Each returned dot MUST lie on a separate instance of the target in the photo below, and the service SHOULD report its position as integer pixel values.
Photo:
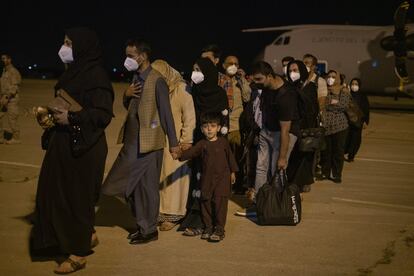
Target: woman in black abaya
(300, 168)
(74, 162)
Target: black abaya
(69, 183)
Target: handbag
(311, 139)
(354, 114)
(279, 203)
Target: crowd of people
(187, 145)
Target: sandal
(207, 233)
(74, 264)
(167, 226)
(94, 243)
(192, 232)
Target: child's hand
(185, 146)
(233, 178)
(175, 152)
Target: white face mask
(65, 53)
(330, 81)
(284, 69)
(294, 76)
(232, 70)
(354, 88)
(308, 68)
(197, 77)
(131, 64)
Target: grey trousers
(144, 199)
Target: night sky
(33, 33)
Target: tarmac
(364, 226)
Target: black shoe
(133, 235)
(321, 177)
(141, 238)
(337, 180)
(306, 188)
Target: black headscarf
(208, 95)
(86, 72)
(358, 80)
(304, 74)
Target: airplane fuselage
(352, 50)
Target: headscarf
(336, 87)
(171, 76)
(358, 80)
(304, 74)
(86, 72)
(208, 95)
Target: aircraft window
(287, 40)
(278, 41)
(322, 67)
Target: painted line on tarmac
(373, 203)
(385, 161)
(19, 164)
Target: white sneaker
(247, 212)
(13, 142)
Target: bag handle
(279, 176)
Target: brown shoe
(69, 266)
(167, 226)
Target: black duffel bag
(278, 203)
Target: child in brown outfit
(218, 174)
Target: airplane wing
(310, 26)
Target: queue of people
(187, 145)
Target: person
(9, 99)
(300, 169)
(311, 62)
(212, 52)
(318, 79)
(219, 167)
(239, 96)
(136, 171)
(285, 62)
(355, 133)
(335, 123)
(71, 175)
(208, 97)
(175, 175)
(280, 127)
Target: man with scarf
(239, 96)
(136, 172)
(76, 149)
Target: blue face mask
(65, 53)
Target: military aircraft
(382, 56)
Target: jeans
(268, 154)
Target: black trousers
(214, 211)
(354, 141)
(332, 158)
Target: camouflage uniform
(10, 81)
